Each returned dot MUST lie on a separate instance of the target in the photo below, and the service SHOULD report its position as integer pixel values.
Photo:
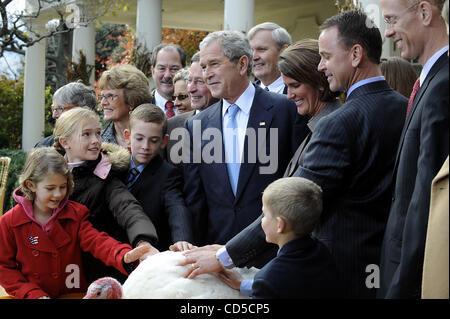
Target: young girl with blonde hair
(43, 235)
(97, 171)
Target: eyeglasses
(108, 97)
(59, 108)
(196, 82)
(180, 97)
(393, 20)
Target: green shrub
(11, 105)
(11, 109)
(17, 162)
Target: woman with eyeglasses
(74, 94)
(181, 97)
(123, 88)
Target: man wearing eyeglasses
(74, 94)
(167, 59)
(200, 98)
(419, 32)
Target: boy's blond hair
(40, 162)
(69, 122)
(149, 113)
(296, 199)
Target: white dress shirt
(244, 102)
(429, 64)
(276, 86)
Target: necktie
(231, 146)
(413, 95)
(169, 109)
(132, 176)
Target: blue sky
(12, 59)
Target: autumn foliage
(188, 39)
(128, 51)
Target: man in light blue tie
(256, 139)
(232, 146)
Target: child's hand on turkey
(140, 252)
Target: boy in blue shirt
(303, 267)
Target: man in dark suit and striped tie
(167, 59)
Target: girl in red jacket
(43, 235)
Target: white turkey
(159, 277)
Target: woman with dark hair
(400, 75)
(307, 87)
(124, 87)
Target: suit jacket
(297, 159)
(173, 123)
(159, 189)
(422, 151)
(303, 269)
(435, 265)
(219, 214)
(249, 247)
(351, 155)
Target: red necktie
(169, 109)
(413, 95)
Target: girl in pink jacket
(43, 235)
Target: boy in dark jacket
(303, 267)
(155, 183)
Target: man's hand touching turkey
(202, 260)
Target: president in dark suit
(222, 191)
(351, 153)
(423, 145)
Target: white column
(373, 10)
(239, 15)
(33, 96)
(149, 22)
(84, 39)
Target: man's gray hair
(279, 34)
(77, 94)
(195, 57)
(234, 45)
(445, 12)
(182, 74)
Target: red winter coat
(38, 260)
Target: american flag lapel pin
(34, 240)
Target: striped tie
(169, 109)
(132, 177)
